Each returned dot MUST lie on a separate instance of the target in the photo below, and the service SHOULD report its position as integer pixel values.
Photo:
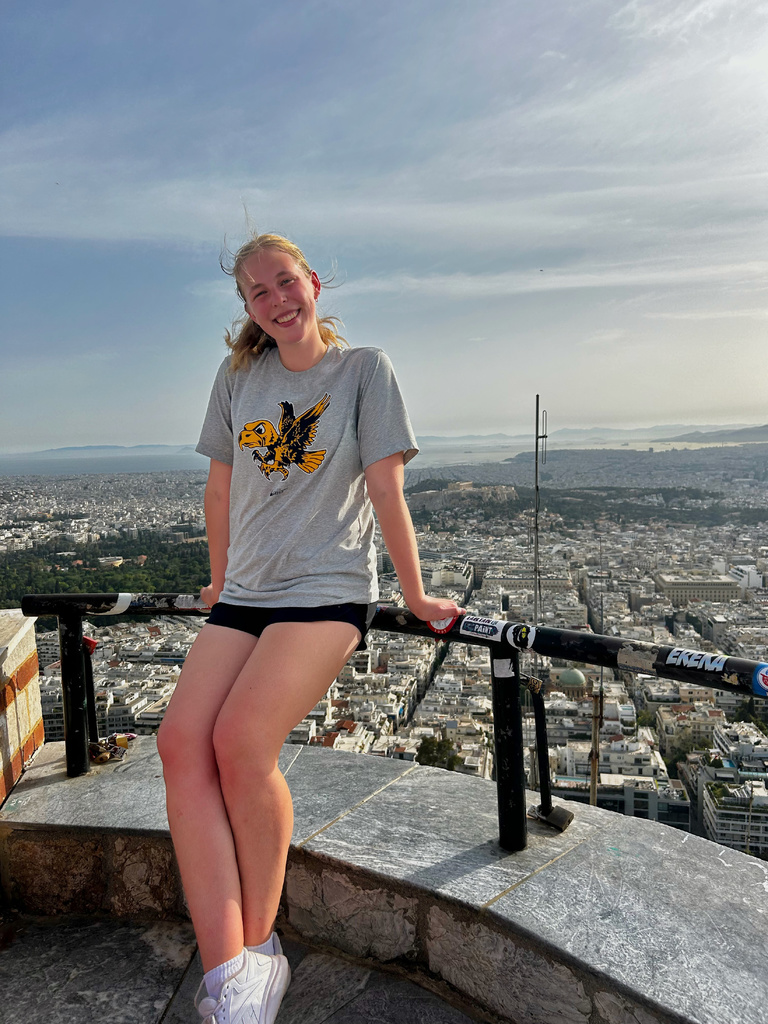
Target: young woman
(304, 436)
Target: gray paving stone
(355, 778)
(389, 1000)
(659, 910)
(439, 830)
(61, 971)
(127, 795)
(321, 985)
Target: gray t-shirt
(300, 520)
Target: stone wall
(21, 716)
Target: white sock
(267, 947)
(215, 978)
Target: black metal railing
(505, 641)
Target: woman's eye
(288, 280)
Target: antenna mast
(541, 435)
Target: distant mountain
(96, 451)
(723, 435)
(103, 458)
(152, 458)
(570, 435)
(468, 438)
(577, 435)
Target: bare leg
(200, 828)
(288, 672)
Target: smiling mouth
(287, 317)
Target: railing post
(508, 751)
(73, 685)
(90, 694)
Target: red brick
(26, 671)
(39, 734)
(11, 773)
(6, 783)
(7, 695)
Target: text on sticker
(696, 659)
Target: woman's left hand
(431, 609)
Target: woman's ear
(315, 282)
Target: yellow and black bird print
(287, 444)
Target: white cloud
(681, 19)
(609, 336)
(712, 314)
(466, 286)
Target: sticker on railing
(521, 636)
(760, 680)
(475, 625)
(637, 656)
(503, 668)
(121, 604)
(696, 659)
(442, 625)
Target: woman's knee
(183, 750)
(244, 754)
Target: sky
(566, 198)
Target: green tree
(438, 753)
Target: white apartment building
(680, 724)
(748, 577)
(740, 740)
(127, 703)
(616, 757)
(303, 733)
(48, 649)
(52, 703)
(737, 816)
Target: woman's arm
(217, 527)
(384, 480)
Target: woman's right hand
(209, 595)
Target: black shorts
(255, 620)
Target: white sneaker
(253, 996)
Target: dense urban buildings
(685, 566)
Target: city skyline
(567, 201)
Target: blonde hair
(246, 339)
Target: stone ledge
(615, 921)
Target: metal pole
(542, 752)
(536, 525)
(90, 695)
(74, 691)
(508, 747)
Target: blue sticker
(760, 680)
(476, 625)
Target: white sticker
(502, 668)
(121, 604)
(442, 625)
(475, 625)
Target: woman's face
(279, 297)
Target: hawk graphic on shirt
(287, 444)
